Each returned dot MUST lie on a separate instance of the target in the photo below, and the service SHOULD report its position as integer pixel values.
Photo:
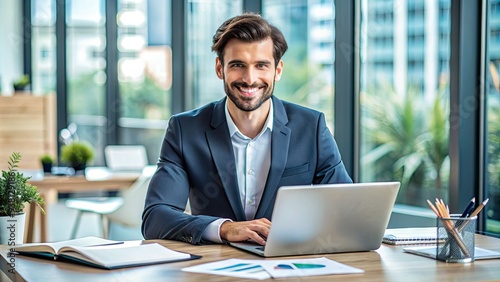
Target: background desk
(51, 186)
(389, 263)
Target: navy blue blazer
(197, 161)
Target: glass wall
(308, 75)
(86, 77)
(493, 117)
(144, 73)
(143, 59)
(404, 96)
(203, 19)
(43, 42)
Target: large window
(308, 75)
(203, 19)
(86, 77)
(43, 20)
(404, 96)
(144, 73)
(139, 107)
(493, 117)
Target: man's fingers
(261, 230)
(257, 238)
(255, 230)
(258, 233)
(265, 222)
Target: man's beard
(248, 104)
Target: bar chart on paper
(263, 269)
(299, 266)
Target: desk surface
(67, 184)
(50, 186)
(388, 263)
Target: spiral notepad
(411, 236)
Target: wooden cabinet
(28, 126)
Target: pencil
(445, 208)
(433, 208)
(439, 208)
(479, 208)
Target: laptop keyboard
(261, 248)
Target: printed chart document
(102, 253)
(307, 267)
(264, 269)
(240, 268)
(411, 236)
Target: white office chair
(126, 209)
(125, 157)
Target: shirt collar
(233, 129)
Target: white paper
(264, 269)
(232, 267)
(307, 267)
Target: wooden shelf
(28, 126)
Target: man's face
(248, 72)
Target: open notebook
(102, 253)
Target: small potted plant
(47, 162)
(15, 192)
(77, 155)
(22, 83)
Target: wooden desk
(388, 263)
(51, 186)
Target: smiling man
(230, 157)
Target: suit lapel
(222, 152)
(280, 141)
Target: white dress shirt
(253, 160)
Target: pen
(469, 207)
(473, 214)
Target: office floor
(62, 219)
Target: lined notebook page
(407, 236)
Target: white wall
(11, 43)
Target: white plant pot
(12, 229)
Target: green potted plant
(15, 192)
(22, 83)
(47, 162)
(77, 155)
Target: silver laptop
(330, 218)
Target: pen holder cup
(459, 239)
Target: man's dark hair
(249, 27)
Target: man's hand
(254, 230)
